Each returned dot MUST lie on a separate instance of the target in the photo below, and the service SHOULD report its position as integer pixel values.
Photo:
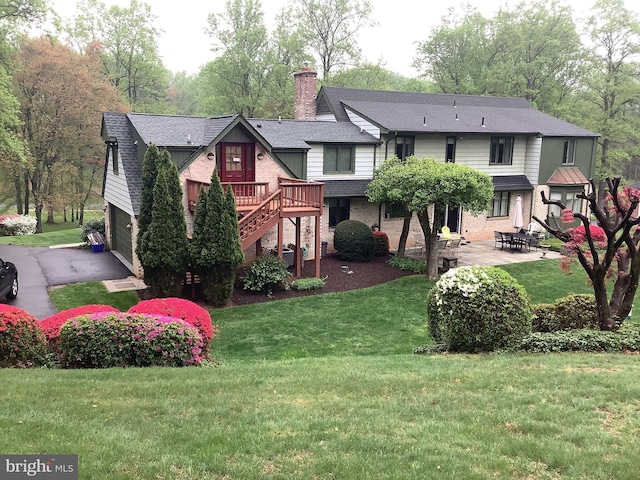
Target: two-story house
(294, 180)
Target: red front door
(236, 163)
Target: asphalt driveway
(41, 267)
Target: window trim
(329, 200)
(507, 151)
(451, 140)
(569, 147)
(391, 210)
(339, 147)
(501, 214)
(112, 152)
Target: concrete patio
(485, 253)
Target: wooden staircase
(260, 211)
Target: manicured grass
(59, 233)
(386, 319)
(89, 293)
(385, 417)
(59, 237)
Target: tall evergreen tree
(165, 249)
(216, 250)
(149, 174)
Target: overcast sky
(184, 46)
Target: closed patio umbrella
(518, 223)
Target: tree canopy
(423, 184)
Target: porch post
(317, 260)
(298, 250)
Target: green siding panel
(551, 156)
(296, 162)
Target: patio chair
(499, 238)
(453, 247)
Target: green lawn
(325, 387)
(385, 417)
(58, 233)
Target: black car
(8, 280)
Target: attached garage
(121, 233)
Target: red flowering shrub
(188, 311)
(51, 325)
(22, 341)
(597, 234)
(109, 339)
(381, 243)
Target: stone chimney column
(305, 95)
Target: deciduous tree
(62, 96)
(332, 27)
(423, 185)
(617, 255)
(126, 39)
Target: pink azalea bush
(22, 341)
(110, 339)
(188, 311)
(51, 325)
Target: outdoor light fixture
(211, 156)
(260, 155)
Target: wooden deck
(261, 211)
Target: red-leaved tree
(608, 253)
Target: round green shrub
(104, 340)
(22, 341)
(353, 240)
(265, 274)
(479, 309)
(577, 311)
(545, 318)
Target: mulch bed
(361, 275)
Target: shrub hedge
(104, 340)
(190, 312)
(22, 341)
(265, 274)
(478, 309)
(52, 325)
(353, 240)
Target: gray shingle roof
(445, 113)
(298, 134)
(345, 188)
(505, 183)
(117, 125)
(178, 130)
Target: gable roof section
(444, 113)
(298, 134)
(116, 125)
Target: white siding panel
(532, 159)
(116, 190)
(431, 147)
(363, 164)
(363, 124)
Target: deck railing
(301, 193)
(247, 194)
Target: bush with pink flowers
(188, 311)
(104, 340)
(22, 341)
(51, 325)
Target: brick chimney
(305, 85)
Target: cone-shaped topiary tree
(164, 249)
(149, 174)
(216, 250)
